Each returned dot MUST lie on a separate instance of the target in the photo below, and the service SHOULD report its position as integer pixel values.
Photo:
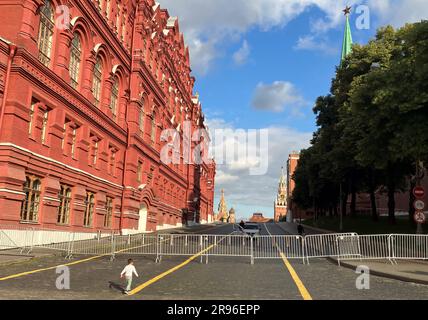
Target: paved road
(221, 279)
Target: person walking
(128, 273)
(300, 230)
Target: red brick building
(259, 218)
(82, 112)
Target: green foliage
(373, 127)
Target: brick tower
(281, 198)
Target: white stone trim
(12, 191)
(79, 204)
(51, 199)
(6, 144)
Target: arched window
(89, 209)
(114, 97)
(153, 132)
(96, 85)
(64, 206)
(141, 120)
(30, 205)
(46, 31)
(75, 60)
(109, 213)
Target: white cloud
(400, 12)
(277, 97)
(209, 24)
(255, 191)
(225, 178)
(310, 42)
(241, 56)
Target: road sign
(419, 205)
(420, 217)
(419, 192)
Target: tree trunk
(344, 204)
(375, 216)
(391, 195)
(353, 202)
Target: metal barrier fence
(345, 246)
(410, 247)
(277, 247)
(27, 238)
(323, 245)
(365, 247)
(15, 237)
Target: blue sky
(261, 64)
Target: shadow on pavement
(116, 286)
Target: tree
(372, 128)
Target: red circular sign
(419, 192)
(420, 217)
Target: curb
(373, 272)
(381, 274)
(317, 229)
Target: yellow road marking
(302, 289)
(49, 268)
(67, 264)
(18, 275)
(164, 274)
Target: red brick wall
(150, 79)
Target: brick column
(106, 94)
(27, 36)
(62, 60)
(87, 78)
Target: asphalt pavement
(177, 278)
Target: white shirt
(128, 271)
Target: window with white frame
(75, 60)
(89, 209)
(114, 97)
(46, 32)
(31, 203)
(64, 205)
(96, 85)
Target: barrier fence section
(410, 247)
(27, 238)
(343, 246)
(323, 245)
(278, 247)
(365, 247)
(15, 237)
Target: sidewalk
(405, 270)
(13, 256)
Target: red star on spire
(347, 10)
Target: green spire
(347, 38)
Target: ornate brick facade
(83, 110)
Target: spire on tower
(222, 208)
(347, 38)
